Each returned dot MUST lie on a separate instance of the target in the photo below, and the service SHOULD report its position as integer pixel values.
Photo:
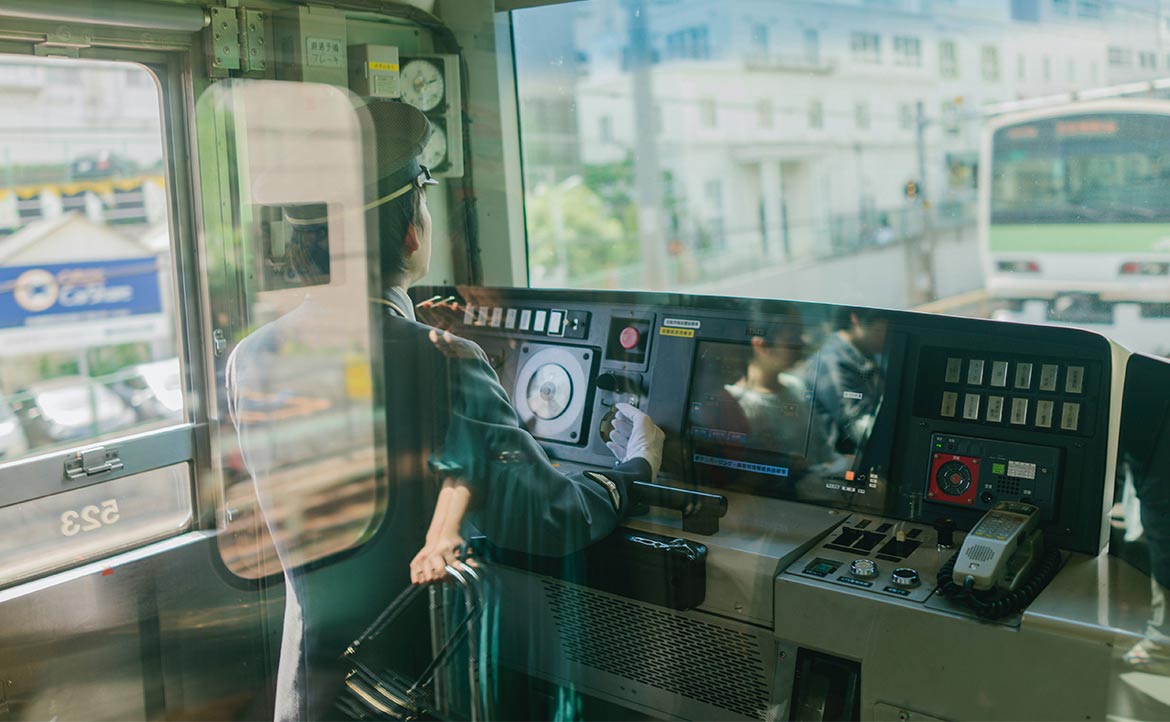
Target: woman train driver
(455, 448)
(459, 417)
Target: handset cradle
(1002, 549)
(1003, 564)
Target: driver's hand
(635, 435)
(430, 564)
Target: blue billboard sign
(85, 291)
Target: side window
(95, 450)
(88, 345)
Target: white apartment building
(784, 124)
(52, 112)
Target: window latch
(91, 462)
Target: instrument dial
(422, 84)
(434, 153)
(549, 391)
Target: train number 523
(90, 518)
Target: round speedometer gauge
(422, 84)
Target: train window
(297, 439)
(88, 311)
(933, 193)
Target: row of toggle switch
(548, 322)
(1074, 376)
(994, 407)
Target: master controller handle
(620, 383)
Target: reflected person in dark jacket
(848, 380)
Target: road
(873, 276)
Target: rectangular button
(1044, 414)
(975, 372)
(971, 407)
(995, 408)
(1048, 374)
(999, 373)
(1019, 411)
(525, 319)
(1074, 380)
(1070, 416)
(469, 315)
(497, 317)
(954, 370)
(538, 321)
(556, 321)
(481, 317)
(1023, 376)
(950, 401)
(510, 318)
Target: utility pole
(920, 250)
(647, 175)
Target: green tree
(572, 230)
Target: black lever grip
(619, 383)
(701, 511)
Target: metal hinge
(92, 461)
(64, 41)
(236, 41)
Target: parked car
(70, 408)
(154, 390)
(13, 442)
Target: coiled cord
(987, 604)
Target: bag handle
(463, 574)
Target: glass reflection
(1141, 515)
(849, 380)
(788, 412)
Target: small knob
(863, 568)
(629, 338)
(945, 528)
(905, 577)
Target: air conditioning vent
(673, 652)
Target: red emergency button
(629, 338)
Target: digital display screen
(757, 422)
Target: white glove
(635, 436)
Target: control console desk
(845, 442)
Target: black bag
(373, 691)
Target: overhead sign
(57, 306)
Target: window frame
(865, 47)
(36, 476)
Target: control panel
(883, 556)
(918, 419)
(977, 473)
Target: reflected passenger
(848, 380)
(775, 402)
(1152, 653)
